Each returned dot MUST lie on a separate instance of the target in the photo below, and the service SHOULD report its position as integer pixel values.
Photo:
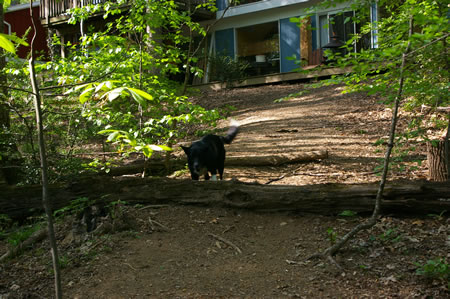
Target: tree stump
(437, 161)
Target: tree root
(226, 242)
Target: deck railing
(55, 8)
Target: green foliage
(116, 209)
(377, 71)
(426, 74)
(76, 206)
(112, 87)
(227, 70)
(348, 213)
(439, 216)
(22, 233)
(390, 235)
(96, 165)
(6, 42)
(332, 235)
(437, 268)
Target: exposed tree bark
(399, 197)
(436, 157)
(44, 167)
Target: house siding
(289, 45)
(19, 20)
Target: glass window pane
(259, 46)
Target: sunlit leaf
(6, 44)
(86, 94)
(113, 136)
(142, 93)
(16, 40)
(141, 101)
(115, 93)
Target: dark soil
(198, 252)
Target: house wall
(18, 21)
(268, 11)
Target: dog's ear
(186, 149)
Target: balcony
(53, 11)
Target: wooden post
(305, 41)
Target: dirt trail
(196, 252)
(345, 125)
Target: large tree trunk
(399, 197)
(437, 167)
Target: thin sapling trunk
(44, 167)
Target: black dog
(208, 154)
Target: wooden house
(54, 17)
(258, 32)
(261, 33)
(17, 20)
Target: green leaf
(114, 94)
(141, 93)
(86, 94)
(6, 43)
(348, 213)
(159, 148)
(113, 136)
(17, 40)
(140, 100)
(147, 152)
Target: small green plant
(332, 235)
(437, 268)
(21, 234)
(116, 208)
(363, 267)
(348, 213)
(64, 261)
(225, 69)
(438, 217)
(75, 206)
(96, 166)
(390, 235)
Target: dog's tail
(232, 132)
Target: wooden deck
(277, 78)
(54, 11)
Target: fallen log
(276, 160)
(399, 197)
(158, 165)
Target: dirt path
(195, 252)
(345, 125)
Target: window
(341, 25)
(259, 46)
(338, 25)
